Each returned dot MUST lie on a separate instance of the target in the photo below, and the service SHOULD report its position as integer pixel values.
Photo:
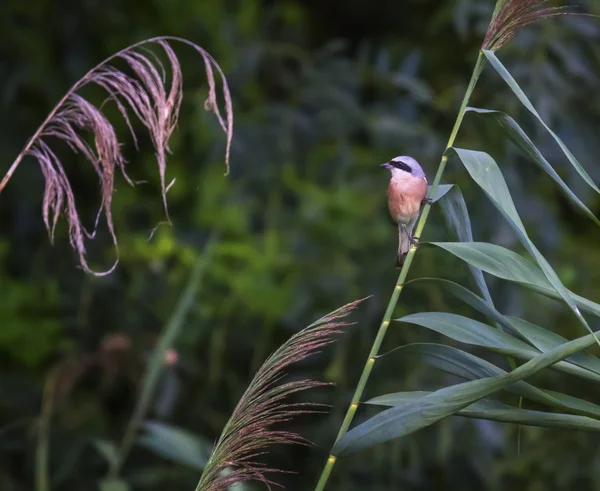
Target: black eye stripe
(401, 166)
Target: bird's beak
(386, 165)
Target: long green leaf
(111, 484)
(496, 411)
(458, 223)
(108, 450)
(521, 140)
(396, 422)
(475, 333)
(545, 340)
(176, 444)
(539, 337)
(440, 191)
(468, 297)
(470, 331)
(486, 173)
(465, 365)
(506, 264)
(514, 86)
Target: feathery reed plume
(146, 94)
(248, 433)
(512, 15)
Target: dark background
(324, 91)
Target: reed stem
(364, 378)
(155, 366)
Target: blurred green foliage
(21, 317)
(323, 92)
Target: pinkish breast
(405, 195)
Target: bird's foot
(414, 240)
(427, 201)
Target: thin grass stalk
(42, 451)
(373, 354)
(156, 363)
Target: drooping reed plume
(145, 93)
(249, 432)
(512, 15)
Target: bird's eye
(401, 166)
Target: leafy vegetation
(299, 228)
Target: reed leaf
(175, 444)
(470, 367)
(467, 296)
(496, 411)
(458, 224)
(439, 192)
(470, 331)
(396, 422)
(545, 340)
(541, 338)
(515, 134)
(514, 86)
(485, 172)
(475, 333)
(508, 265)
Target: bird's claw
(414, 240)
(427, 201)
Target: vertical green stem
(42, 474)
(155, 365)
(400, 283)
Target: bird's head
(402, 165)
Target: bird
(407, 194)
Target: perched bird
(406, 196)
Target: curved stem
(400, 283)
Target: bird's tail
(403, 244)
